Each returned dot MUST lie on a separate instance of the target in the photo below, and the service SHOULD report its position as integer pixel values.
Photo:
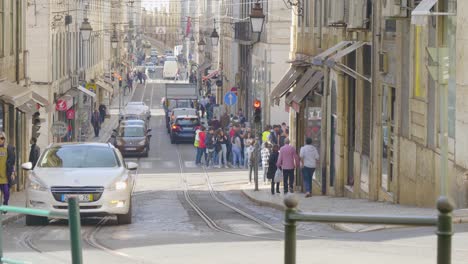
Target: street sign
(230, 98)
(59, 129)
(160, 30)
(91, 87)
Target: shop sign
(64, 103)
(70, 114)
(59, 129)
(91, 87)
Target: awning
(301, 91)
(331, 61)
(320, 58)
(14, 94)
(86, 91)
(422, 10)
(105, 86)
(29, 107)
(209, 76)
(39, 99)
(286, 82)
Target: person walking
(265, 153)
(236, 150)
(210, 142)
(272, 160)
(102, 112)
(7, 167)
(266, 134)
(201, 149)
(222, 142)
(34, 152)
(96, 122)
(249, 160)
(309, 159)
(248, 141)
(288, 161)
(277, 137)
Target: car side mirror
(27, 166)
(132, 166)
(149, 130)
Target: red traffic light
(257, 104)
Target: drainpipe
(17, 44)
(320, 23)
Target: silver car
(94, 172)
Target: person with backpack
(201, 149)
(7, 167)
(210, 142)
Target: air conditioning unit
(383, 62)
(395, 8)
(357, 15)
(336, 13)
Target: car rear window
(188, 121)
(79, 157)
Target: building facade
(377, 89)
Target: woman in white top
(309, 159)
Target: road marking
(190, 164)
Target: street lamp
(201, 44)
(257, 18)
(86, 29)
(125, 40)
(114, 41)
(214, 35)
(192, 40)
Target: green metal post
(290, 230)
(444, 231)
(75, 230)
(1, 238)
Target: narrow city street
(187, 214)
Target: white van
(170, 70)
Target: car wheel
(32, 220)
(125, 219)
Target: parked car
(150, 67)
(183, 128)
(174, 113)
(133, 139)
(95, 173)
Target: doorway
(388, 128)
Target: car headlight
(142, 143)
(36, 184)
(121, 185)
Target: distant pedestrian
(266, 134)
(96, 122)
(248, 141)
(277, 137)
(210, 142)
(140, 76)
(249, 159)
(309, 158)
(265, 153)
(7, 167)
(236, 150)
(222, 153)
(272, 159)
(201, 149)
(288, 161)
(102, 112)
(34, 152)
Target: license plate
(131, 148)
(81, 197)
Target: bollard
(75, 230)
(290, 230)
(444, 231)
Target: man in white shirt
(309, 159)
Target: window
(2, 28)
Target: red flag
(189, 25)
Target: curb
(262, 203)
(12, 218)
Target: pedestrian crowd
(230, 143)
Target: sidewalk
(19, 198)
(327, 204)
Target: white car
(94, 172)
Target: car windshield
(132, 131)
(79, 157)
(188, 121)
(173, 103)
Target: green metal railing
(443, 223)
(74, 224)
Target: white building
(64, 67)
